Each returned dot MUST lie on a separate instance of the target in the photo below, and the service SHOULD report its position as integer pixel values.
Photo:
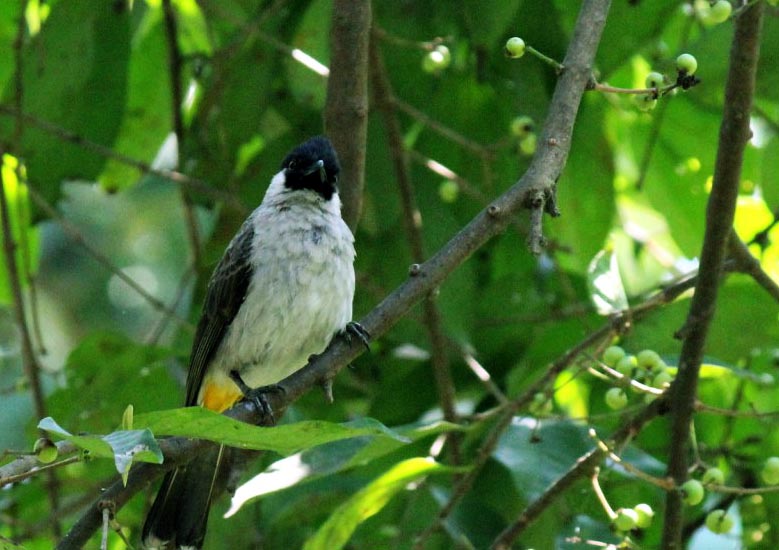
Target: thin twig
(176, 177)
(412, 222)
(29, 359)
(441, 129)
(734, 135)
(504, 421)
(746, 263)
(76, 236)
(175, 64)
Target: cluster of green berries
(713, 12)
(646, 367)
(524, 129)
(437, 59)
(717, 521)
(638, 517)
(686, 65)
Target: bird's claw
(257, 395)
(355, 329)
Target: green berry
(692, 492)
(645, 515)
(429, 65)
(719, 521)
(448, 190)
(436, 60)
(648, 359)
(616, 399)
(645, 102)
(770, 471)
(662, 380)
(612, 355)
(713, 476)
(719, 12)
(627, 365)
(687, 64)
(45, 450)
(515, 47)
(443, 55)
(541, 405)
(527, 145)
(626, 520)
(522, 126)
(654, 80)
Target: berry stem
(548, 60)
(602, 497)
(605, 88)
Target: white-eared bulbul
(282, 290)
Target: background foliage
(634, 189)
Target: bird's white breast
(300, 293)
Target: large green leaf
(76, 80)
(197, 422)
(330, 458)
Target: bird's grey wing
(224, 296)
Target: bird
(280, 293)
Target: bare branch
(734, 135)
(175, 63)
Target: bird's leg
(355, 329)
(257, 395)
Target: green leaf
(286, 439)
(25, 235)
(8, 545)
(605, 283)
(124, 447)
(76, 80)
(586, 191)
(337, 530)
(328, 459)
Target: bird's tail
(179, 515)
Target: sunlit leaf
(124, 447)
(198, 422)
(337, 530)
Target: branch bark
(734, 134)
(346, 109)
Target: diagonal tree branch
(734, 135)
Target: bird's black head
(312, 165)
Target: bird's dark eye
(292, 165)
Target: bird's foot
(356, 330)
(257, 395)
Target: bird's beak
(318, 165)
